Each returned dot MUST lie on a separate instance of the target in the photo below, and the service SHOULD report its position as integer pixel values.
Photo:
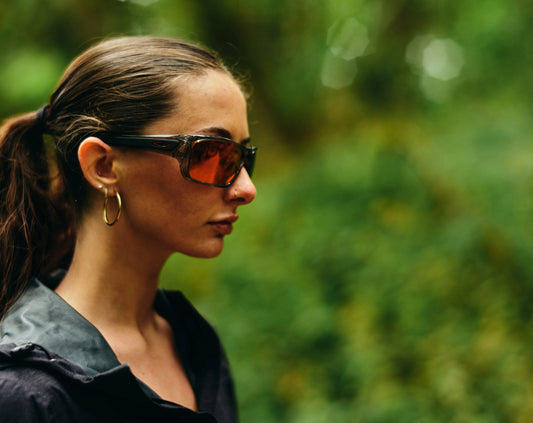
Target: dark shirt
(56, 366)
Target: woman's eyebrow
(221, 132)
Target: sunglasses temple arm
(249, 163)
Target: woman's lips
(224, 226)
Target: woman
(156, 130)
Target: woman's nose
(242, 190)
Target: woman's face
(165, 211)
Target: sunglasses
(208, 160)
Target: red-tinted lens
(214, 162)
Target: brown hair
(120, 85)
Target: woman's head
(162, 208)
(129, 85)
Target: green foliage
(383, 272)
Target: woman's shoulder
(39, 386)
(31, 389)
(43, 318)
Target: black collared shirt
(56, 366)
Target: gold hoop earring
(119, 204)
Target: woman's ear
(97, 162)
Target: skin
(113, 278)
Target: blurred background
(384, 272)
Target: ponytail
(34, 222)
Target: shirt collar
(42, 317)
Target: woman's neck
(113, 277)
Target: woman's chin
(209, 250)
